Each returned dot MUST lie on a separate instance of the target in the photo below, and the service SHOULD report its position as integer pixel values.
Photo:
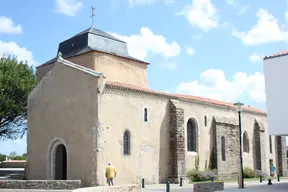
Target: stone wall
(40, 184)
(121, 188)
(282, 155)
(227, 128)
(260, 146)
(12, 164)
(209, 186)
(177, 161)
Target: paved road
(31, 190)
(250, 186)
(264, 188)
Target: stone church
(93, 105)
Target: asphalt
(250, 186)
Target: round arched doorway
(60, 163)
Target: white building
(276, 84)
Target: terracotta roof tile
(282, 53)
(124, 86)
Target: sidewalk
(227, 186)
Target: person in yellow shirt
(110, 174)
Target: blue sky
(211, 48)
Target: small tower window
(223, 148)
(145, 115)
(205, 120)
(270, 144)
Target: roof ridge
(278, 54)
(180, 96)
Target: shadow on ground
(263, 188)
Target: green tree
(12, 155)
(2, 157)
(17, 79)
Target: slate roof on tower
(93, 39)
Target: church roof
(279, 54)
(98, 32)
(129, 87)
(93, 39)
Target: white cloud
(190, 51)
(255, 58)
(243, 9)
(148, 2)
(214, 84)
(266, 30)
(11, 48)
(201, 14)
(7, 26)
(68, 7)
(231, 2)
(147, 43)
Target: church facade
(93, 105)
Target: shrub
(197, 176)
(260, 173)
(208, 174)
(197, 163)
(249, 173)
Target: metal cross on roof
(93, 14)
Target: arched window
(223, 148)
(191, 136)
(145, 115)
(205, 120)
(246, 142)
(126, 143)
(270, 144)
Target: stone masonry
(208, 186)
(227, 128)
(40, 184)
(177, 143)
(281, 155)
(260, 146)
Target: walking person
(272, 171)
(110, 174)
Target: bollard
(278, 177)
(269, 182)
(168, 187)
(143, 183)
(261, 179)
(181, 181)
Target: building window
(270, 144)
(205, 120)
(145, 115)
(191, 136)
(223, 148)
(246, 142)
(126, 143)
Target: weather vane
(93, 14)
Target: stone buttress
(177, 160)
(281, 155)
(227, 167)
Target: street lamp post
(238, 106)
